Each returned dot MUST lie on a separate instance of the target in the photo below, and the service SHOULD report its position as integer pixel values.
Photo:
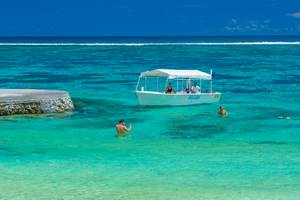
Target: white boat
(151, 92)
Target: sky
(149, 18)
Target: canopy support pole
(166, 83)
(200, 84)
(211, 81)
(137, 85)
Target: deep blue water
(158, 39)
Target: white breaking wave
(154, 44)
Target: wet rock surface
(27, 101)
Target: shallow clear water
(171, 153)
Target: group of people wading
(122, 129)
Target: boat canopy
(174, 73)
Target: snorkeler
(121, 128)
(222, 111)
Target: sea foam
(153, 44)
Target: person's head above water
(195, 83)
(222, 111)
(221, 107)
(121, 121)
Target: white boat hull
(147, 98)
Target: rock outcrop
(28, 101)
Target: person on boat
(196, 88)
(187, 91)
(169, 89)
(222, 112)
(188, 88)
(121, 128)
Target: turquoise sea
(172, 153)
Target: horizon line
(140, 36)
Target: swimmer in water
(121, 128)
(222, 111)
